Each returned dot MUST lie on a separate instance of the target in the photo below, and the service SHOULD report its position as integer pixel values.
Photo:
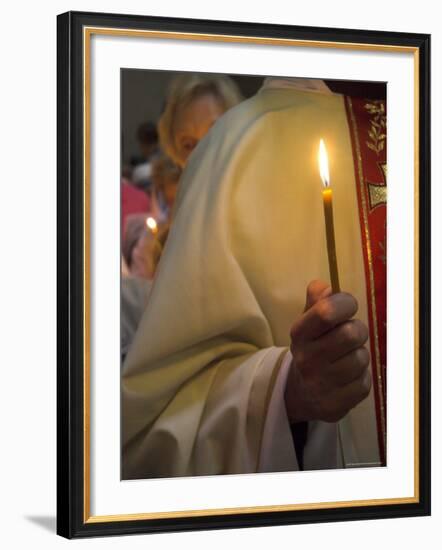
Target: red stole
(367, 122)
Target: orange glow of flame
(152, 224)
(323, 164)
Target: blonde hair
(183, 90)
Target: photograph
(222, 253)
(243, 324)
(253, 289)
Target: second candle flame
(152, 224)
(323, 164)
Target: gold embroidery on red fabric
(378, 123)
(372, 303)
(377, 194)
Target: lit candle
(152, 225)
(327, 197)
(328, 214)
(152, 229)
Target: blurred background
(143, 98)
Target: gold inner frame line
(87, 33)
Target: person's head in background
(165, 177)
(147, 137)
(194, 103)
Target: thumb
(316, 290)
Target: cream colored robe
(203, 383)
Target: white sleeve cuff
(277, 448)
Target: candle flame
(323, 164)
(152, 224)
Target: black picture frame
(72, 392)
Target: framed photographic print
(237, 344)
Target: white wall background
(28, 276)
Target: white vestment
(203, 383)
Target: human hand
(329, 373)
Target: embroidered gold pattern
(378, 124)
(377, 361)
(377, 194)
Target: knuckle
(363, 330)
(355, 332)
(362, 356)
(351, 333)
(351, 302)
